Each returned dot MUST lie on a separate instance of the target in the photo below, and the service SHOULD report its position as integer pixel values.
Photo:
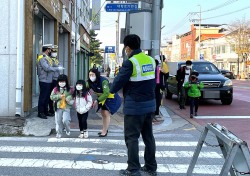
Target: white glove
(60, 68)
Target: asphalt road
(235, 117)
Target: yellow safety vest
(47, 57)
(143, 67)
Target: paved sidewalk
(34, 126)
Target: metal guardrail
(234, 150)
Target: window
(232, 48)
(223, 49)
(217, 49)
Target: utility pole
(117, 38)
(76, 32)
(156, 28)
(200, 33)
(199, 20)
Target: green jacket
(194, 88)
(56, 96)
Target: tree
(96, 56)
(239, 39)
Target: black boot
(42, 115)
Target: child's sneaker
(86, 134)
(67, 133)
(58, 135)
(195, 114)
(81, 135)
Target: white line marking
(96, 141)
(121, 142)
(101, 151)
(222, 117)
(70, 164)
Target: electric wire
(178, 25)
(229, 13)
(220, 6)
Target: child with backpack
(194, 92)
(62, 97)
(83, 103)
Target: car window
(205, 68)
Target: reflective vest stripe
(48, 59)
(143, 67)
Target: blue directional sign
(125, 7)
(109, 49)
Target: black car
(227, 73)
(216, 86)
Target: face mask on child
(62, 84)
(79, 87)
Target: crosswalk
(98, 156)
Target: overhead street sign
(109, 49)
(147, 1)
(124, 7)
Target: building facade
(31, 24)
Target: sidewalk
(34, 126)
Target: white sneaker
(85, 134)
(58, 135)
(67, 133)
(81, 135)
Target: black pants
(53, 85)
(166, 75)
(158, 97)
(134, 125)
(82, 120)
(182, 96)
(44, 97)
(194, 104)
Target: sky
(176, 17)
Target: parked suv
(216, 86)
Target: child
(194, 92)
(83, 102)
(62, 96)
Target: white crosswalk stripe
(13, 148)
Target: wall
(8, 56)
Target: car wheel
(226, 101)
(168, 95)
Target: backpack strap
(55, 90)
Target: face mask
(62, 84)
(188, 66)
(54, 54)
(92, 78)
(78, 87)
